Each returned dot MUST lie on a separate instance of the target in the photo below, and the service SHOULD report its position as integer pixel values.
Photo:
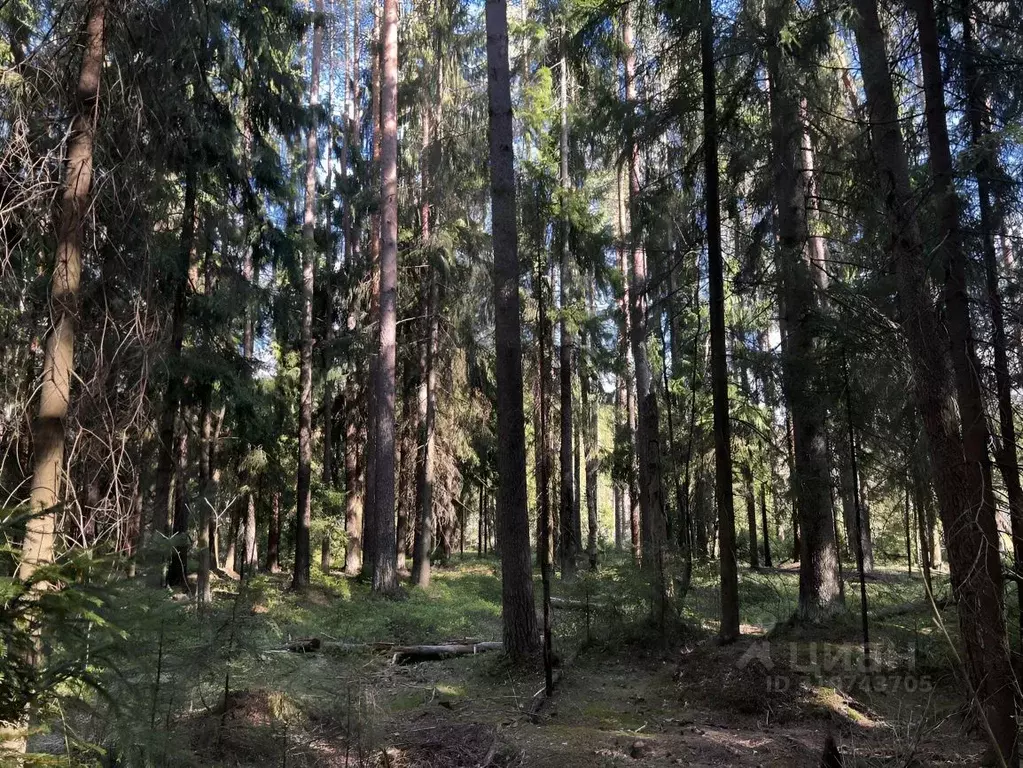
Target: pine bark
(58, 358)
(648, 453)
(369, 515)
(569, 542)
(630, 492)
(801, 304)
(300, 578)
(519, 614)
(427, 400)
(970, 531)
(167, 459)
(985, 170)
(719, 368)
(591, 441)
(384, 550)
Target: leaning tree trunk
(519, 614)
(37, 547)
(719, 368)
(970, 532)
(303, 494)
(986, 168)
(384, 552)
(818, 562)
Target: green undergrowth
(171, 666)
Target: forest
(576, 383)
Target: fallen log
(409, 654)
(400, 654)
(571, 604)
(304, 645)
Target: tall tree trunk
(167, 459)
(303, 494)
(250, 554)
(767, 534)
(369, 515)
(681, 502)
(546, 533)
(648, 452)
(630, 491)
(425, 474)
(963, 496)
(37, 547)
(384, 552)
(985, 170)
(520, 629)
(719, 368)
(801, 304)
(569, 542)
(354, 481)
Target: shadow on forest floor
(628, 696)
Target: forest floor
(222, 689)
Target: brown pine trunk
(384, 551)
(58, 359)
(719, 368)
(369, 516)
(648, 452)
(303, 514)
(957, 466)
(519, 614)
